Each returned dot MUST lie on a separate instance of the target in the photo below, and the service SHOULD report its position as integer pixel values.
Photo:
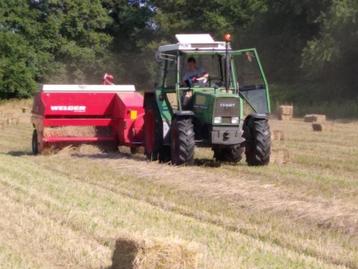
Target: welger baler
(70, 114)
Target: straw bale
(284, 117)
(89, 149)
(315, 118)
(76, 131)
(317, 127)
(286, 110)
(144, 253)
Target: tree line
(312, 45)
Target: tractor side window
(170, 74)
(173, 100)
(250, 82)
(248, 71)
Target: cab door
(251, 81)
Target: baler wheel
(182, 141)
(258, 143)
(37, 144)
(231, 154)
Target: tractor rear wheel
(258, 142)
(229, 154)
(182, 141)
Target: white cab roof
(194, 38)
(87, 88)
(197, 42)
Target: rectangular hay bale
(285, 112)
(72, 131)
(315, 118)
(139, 253)
(317, 127)
(284, 117)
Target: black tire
(182, 141)
(35, 143)
(164, 154)
(231, 154)
(258, 142)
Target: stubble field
(65, 210)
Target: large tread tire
(258, 142)
(182, 141)
(231, 154)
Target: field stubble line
(228, 224)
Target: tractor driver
(194, 74)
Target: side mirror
(158, 57)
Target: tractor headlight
(235, 120)
(217, 120)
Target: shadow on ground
(205, 162)
(19, 153)
(124, 255)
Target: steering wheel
(215, 81)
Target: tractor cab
(227, 70)
(214, 87)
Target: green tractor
(207, 95)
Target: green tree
(333, 54)
(59, 41)
(17, 72)
(213, 16)
(282, 32)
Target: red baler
(117, 109)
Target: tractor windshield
(202, 70)
(250, 80)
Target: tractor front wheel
(182, 141)
(231, 154)
(258, 142)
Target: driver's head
(191, 63)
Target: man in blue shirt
(194, 74)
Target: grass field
(65, 210)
